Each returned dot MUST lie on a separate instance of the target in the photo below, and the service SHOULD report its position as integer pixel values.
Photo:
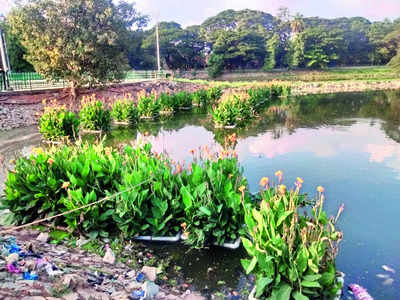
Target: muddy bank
(22, 109)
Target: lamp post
(5, 63)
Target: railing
(34, 81)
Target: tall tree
(81, 41)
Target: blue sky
(190, 12)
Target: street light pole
(5, 63)
(158, 49)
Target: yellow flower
(12, 161)
(37, 150)
(300, 180)
(50, 161)
(242, 188)
(320, 189)
(264, 181)
(65, 185)
(278, 173)
(282, 189)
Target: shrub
(290, 253)
(94, 115)
(125, 110)
(213, 195)
(56, 122)
(148, 106)
(259, 98)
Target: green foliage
(237, 108)
(81, 41)
(200, 97)
(151, 192)
(16, 51)
(148, 106)
(93, 114)
(233, 109)
(214, 94)
(183, 99)
(56, 122)
(272, 49)
(125, 110)
(154, 208)
(213, 201)
(167, 103)
(292, 256)
(215, 65)
(179, 48)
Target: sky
(191, 12)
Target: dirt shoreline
(22, 109)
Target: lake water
(348, 143)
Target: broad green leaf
(261, 284)
(299, 296)
(205, 210)
(306, 283)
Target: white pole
(158, 49)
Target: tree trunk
(74, 94)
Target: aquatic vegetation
(167, 103)
(213, 195)
(238, 106)
(291, 253)
(200, 97)
(233, 109)
(148, 106)
(125, 110)
(183, 100)
(94, 115)
(155, 207)
(151, 191)
(57, 122)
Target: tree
(321, 47)
(81, 41)
(272, 48)
(16, 51)
(179, 48)
(394, 38)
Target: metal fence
(34, 81)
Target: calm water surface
(348, 143)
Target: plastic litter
(359, 292)
(29, 276)
(137, 294)
(140, 277)
(12, 268)
(109, 256)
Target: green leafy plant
(213, 196)
(183, 99)
(213, 94)
(167, 103)
(94, 115)
(148, 106)
(200, 97)
(154, 208)
(292, 256)
(125, 110)
(233, 109)
(57, 122)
